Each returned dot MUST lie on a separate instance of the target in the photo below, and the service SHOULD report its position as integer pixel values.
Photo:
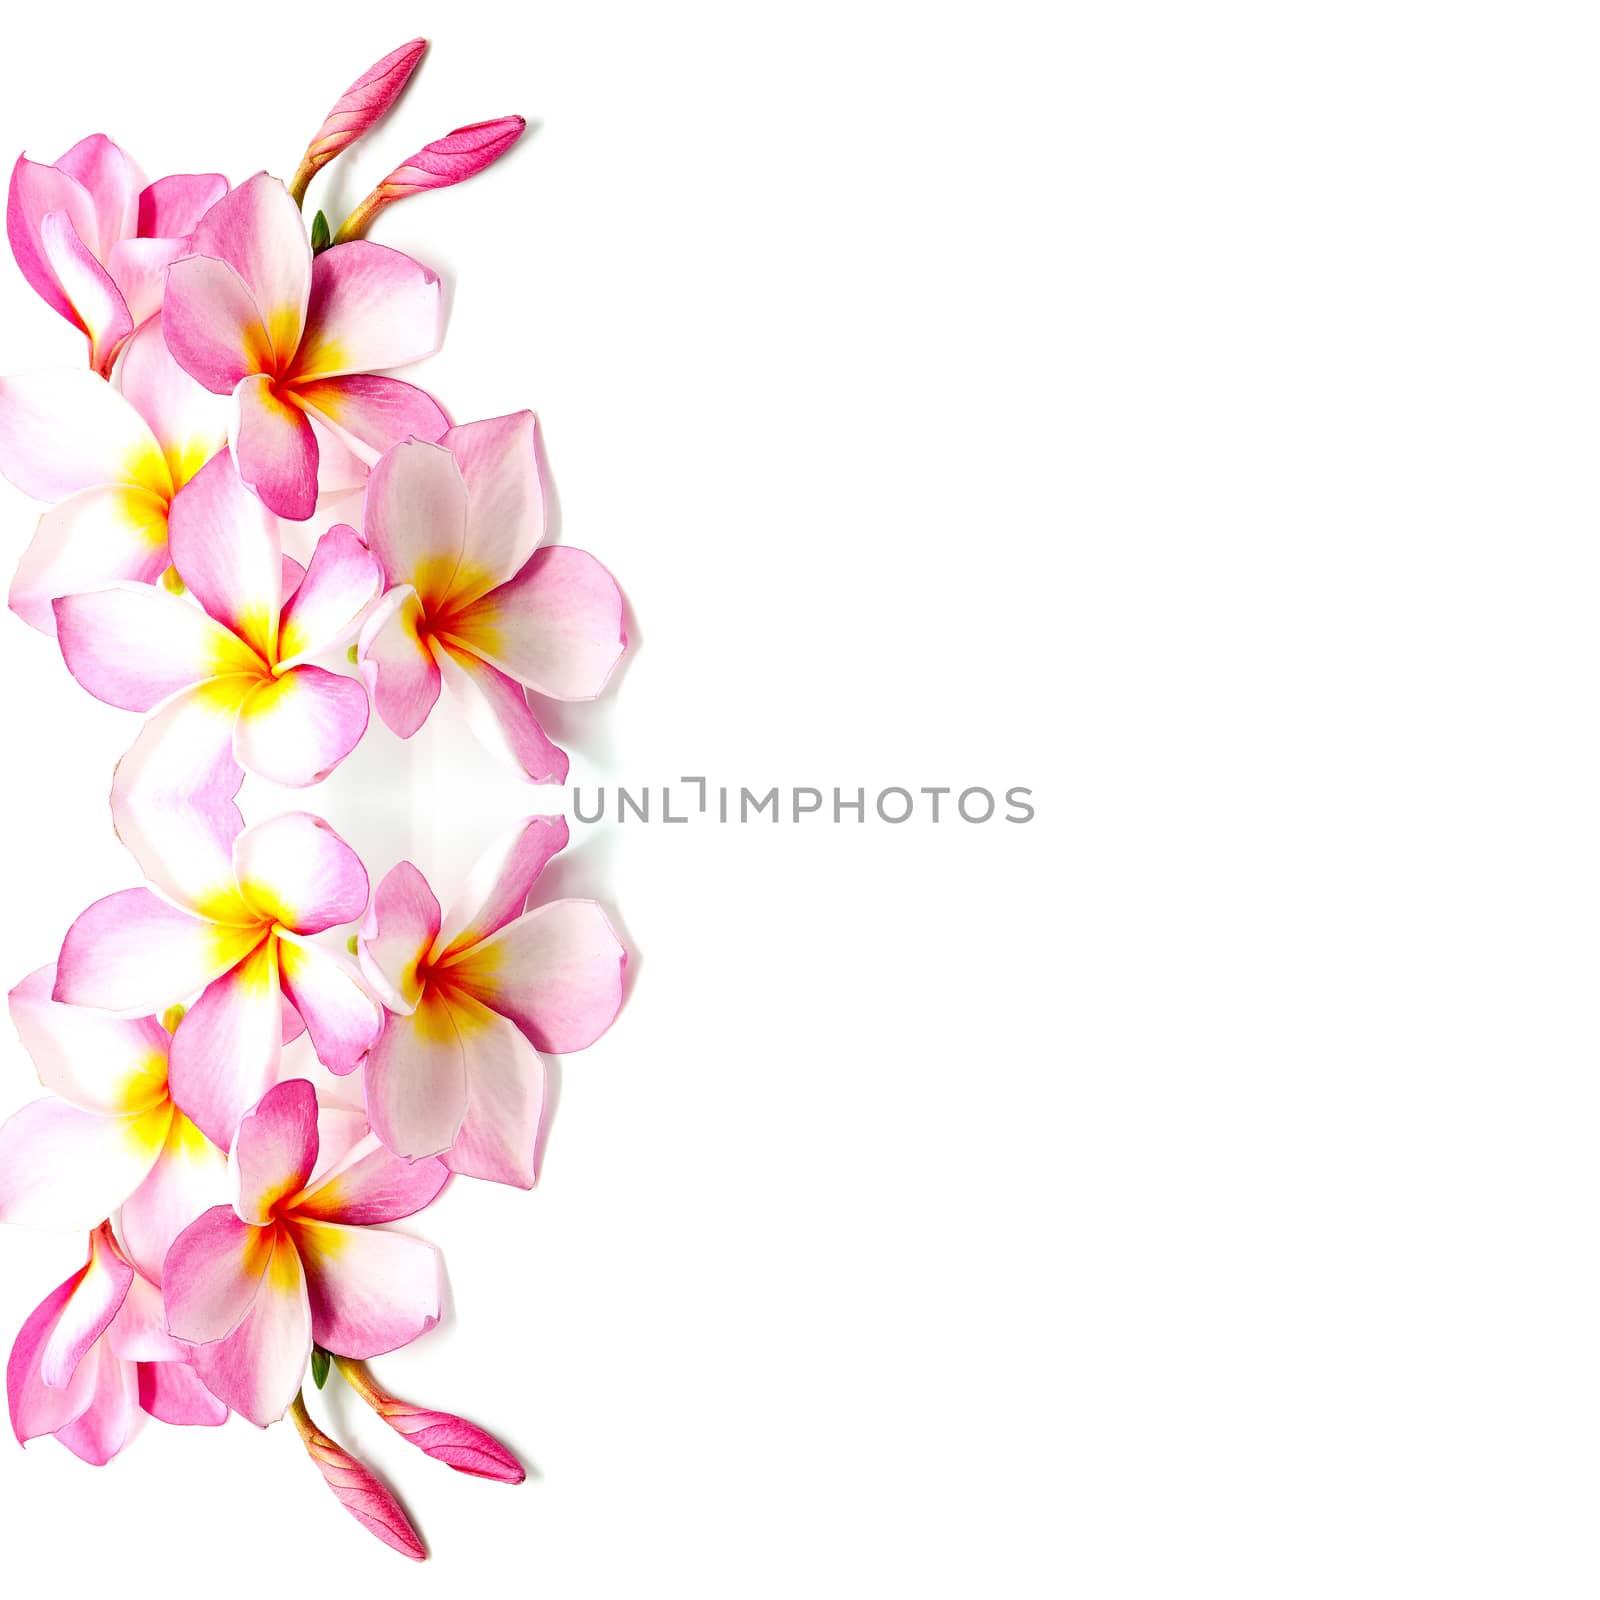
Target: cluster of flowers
(234, 1208)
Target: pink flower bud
(454, 1441)
(458, 156)
(357, 1490)
(356, 110)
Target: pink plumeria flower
(356, 110)
(241, 654)
(473, 998)
(473, 601)
(242, 935)
(295, 341)
(296, 1258)
(94, 1354)
(461, 1445)
(109, 1135)
(109, 463)
(94, 245)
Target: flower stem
(356, 1374)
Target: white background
(1188, 412)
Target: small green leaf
(350, 655)
(319, 1365)
(320, 236)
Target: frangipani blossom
(474, 601)
(295, 1257)
(108, 1136)
(94, 245)
(294, 341)
(94, 1354)
(356, 110)
(234, 1193)
(242, 934)
(240, 657)
(473, 997)
(110, 463)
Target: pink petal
(171, 1391)
(138, 268)
(371, 307)
(457, 1443)
(212, 324)
(171, 208)
(93, 539)
(97, 1296)
(133, 646)
(63, 430)
(38, 1408)
(274, 448)
(295, 729)
(556, 972)
(37, 190)
(259, 1367)
(258, 231)
(416, 1082)
(372, 1185)
(497, 888)
(226, 547)
(371, 1290)
(340, 1016)
(459, 155)
(341, 463)
(97, 305)
(138, 1332)
(213, 1274)
(398, 667)
(274, 1150)
(499, 1135)
(499, 463)
(361, 1494)
(342, 1133)
(172, 799)
(342, 581)
(399, 935)
(112, 1066)
(357, 109)
(497, 711)
(65, 1170)
(133, 953)
(190, 1176)
(226, 1051)
(108, 178)
(416, 518)
(188, 421)
(107, 1423)
(368, 415)
(556, 627)
(295, 870)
